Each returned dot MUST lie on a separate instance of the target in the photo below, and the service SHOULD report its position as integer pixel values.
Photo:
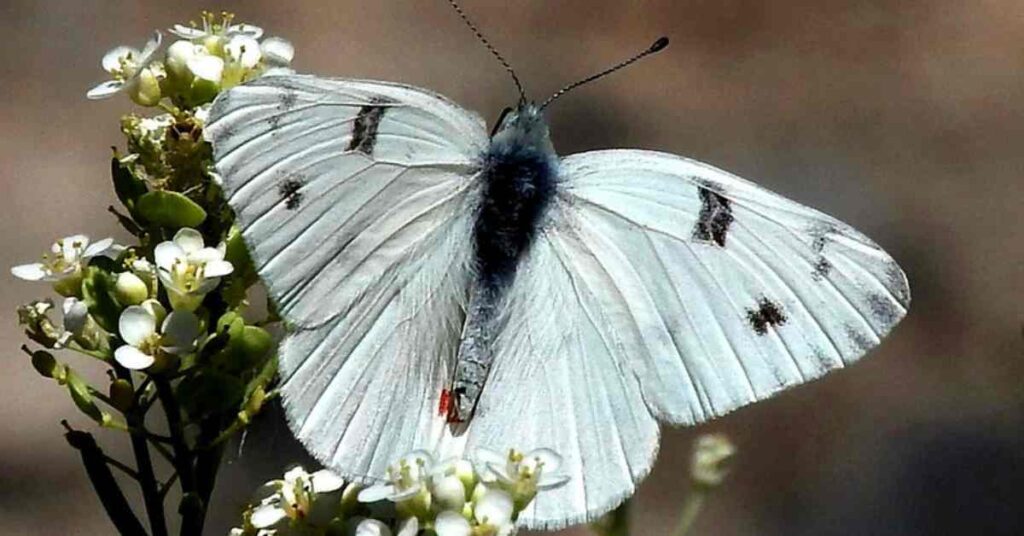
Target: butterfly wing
(355, 198)
(681, 293)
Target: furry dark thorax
(520, 175)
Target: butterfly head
(524, 127)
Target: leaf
(170, 209)
(244, 274)
(126, 185)
(98, 293)
(82, 397)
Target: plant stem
(191, 509)
(691, 508)
(144, 464)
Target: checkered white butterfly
(568, 302)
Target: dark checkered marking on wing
(768, 313)
(290, 192)
(364, 131)
(715, 216)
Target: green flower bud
(147, 89)
(45, 363)
(122, 395)
(130, 289)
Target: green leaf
(127, 187)
(98, 292)
(244, 274)
(82, 397)
(170, 209)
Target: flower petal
(372, 527)
(73, 246)
(203, 255)
(409, 527)
(267, 516)
(189, 240)
(494, 507)
(132, 358)
(104, 90)
(112, 60)
(186, 32)
(244, 50)
(248, 30)
(550, 481)
(207, 67)
(552, 460)
(376, 493)
(156, 309)
(181, 329)
(98, 248)
(217, 269)
(30, 272)
(166, 253)
(136, 323)
(277, 52)
(150, 49)
(76, 312)
(450, 523)
(325, 481)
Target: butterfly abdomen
(520, 177)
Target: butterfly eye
(501, 120)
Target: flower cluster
(208, 57)
(455, 497)
(166, 315)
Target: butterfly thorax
(519, 181)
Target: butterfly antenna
(494, 51)
(658, 45)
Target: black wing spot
(364, 131)
(290, 193)
(715, 216)
(821, 269)
(768, 313)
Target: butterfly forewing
(356, 200)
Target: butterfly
(539, 301)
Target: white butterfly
(568, 303)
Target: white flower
(493, 512)
(406, 478)
(126, 65)
(67, 257)
(210, 28)
(520, 474)
(76, 315)
(450, 523)
(144, 344)
(312, 498)
(711, 454)
(206, 66)
(244, 51)
(189, 270)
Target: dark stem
(191, 508)
(110, 494)
(144, 464)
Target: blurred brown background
(903, 118)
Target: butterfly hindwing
(355, 199)
(665, 289)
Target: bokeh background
(903, 118)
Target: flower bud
(45, 363)
(147, 89)
(711, 455)
(130, 289)
(178, 56)
(449, 493)
(122, 396)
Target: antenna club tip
(660, 44)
